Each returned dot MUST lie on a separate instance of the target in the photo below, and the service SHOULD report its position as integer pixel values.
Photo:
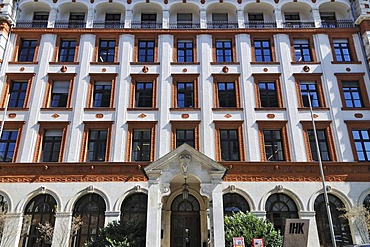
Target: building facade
(182, 111)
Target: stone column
(166, 19)
(128, 18)
(316, 17)
(203, 18)
(241, 18)
(52, 17)
(90, 18)
(62, 229)
(12, 229)
(111, 216)
(153, 230)
(313, 237)
(278, 17)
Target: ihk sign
(296, 233)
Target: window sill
(19, 62)
(185, 109)
(65, 63)
(355, 108)
(185, 63)
(144, 63)
(99, 109)
(14, 109)
(270, 109)
(228, 109)
(312, 62)
(142, 109)
(272, 63)
(56, 109)
(223, 63)
(349, 62)
(104, 63)
(314, 109)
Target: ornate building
(182, 111)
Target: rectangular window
(106, 51)
(97, 145)
(268, 94)
(309, 91)
(291, 16)
(224, 51)
(40, 19)
(141, 145)
(185, 132)
(262, 50)
(51, 146)
(184, 20)
(112, 17)
(18, 92)
(185, 94)
(273, 143)
(102, 94)
(342, 50)
(185, 51)
(146, 49)
(302, 50)
(8, 143)
(67, 50)
(27, 50)
(144, 94)
(255, 17)
(76, 20)
(222, 17)
(59, 94)
(323, 145)
(185, 136)
(229, 144)
(352, 94)
(226, 94)
(148, 20)
(361, 138)
(327, 16)
(310, 87)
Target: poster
(238, 242)
(258, 242)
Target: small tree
(360, 217)
(122, 233)
(249, 226)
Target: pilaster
(128, 18)
(62, 229)
(90, 18)
(52, 17)
(203, 18)
(241, 18)
(12, 229)
(166, 19)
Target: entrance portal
(185, 222)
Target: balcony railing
(109, 24)
(222, 24)
(32, 24)
(184, 25)
(146, 25)
(70, 24)
(260, 24)
(298, 24)
(335, 24)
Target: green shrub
(249, 226)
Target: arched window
(134, 211)
(91, 209)
(280, 207)
(341, 229)
(189, 205)
(40, 210)
(367, 202)
(234, 203)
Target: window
(328, 19)
(40, 19)
(143, 91)
(27, 50)
(291, 16)
(280, 207)
(340, 224)
(76, 20)
(184, 20)
(146, 50)
(341, 50)
(302, 50)
(18, 91)
(107, 50)
(224, 52)
(8, 144)
(227, 91)
(141, 141)
(112, 20)
(91, 208)
(96, 141)
(67, 50)
(185, 91)
(185, 51)
(59, 91)
(274, 141)
(268, 90)
(229, 141)
(262, 50)
(309, 93)
(258, 17)
(359, 135)
(185, 132)
(309, 86)
(102, 94)
(148, 20)
(234, 203)
(39, 210)
(353, 91)
(324, 138)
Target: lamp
(185, 191)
